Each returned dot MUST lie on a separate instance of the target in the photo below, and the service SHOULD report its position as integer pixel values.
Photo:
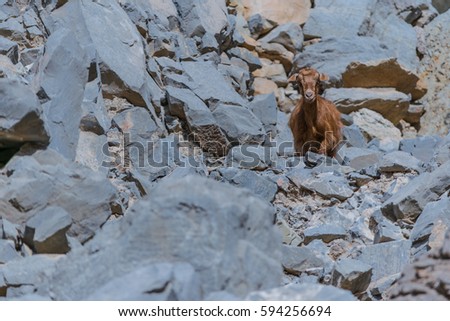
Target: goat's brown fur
(315, 122)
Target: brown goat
(315, 122)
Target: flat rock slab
(420, 147)
(386, 259)
(326, 184)
(325, 232)
(352, 275)
(399, 161)
(410, 200)
(298, 260)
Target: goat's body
(316, 126)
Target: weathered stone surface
(429, 230)
(352, 135)
(21, 118)
(326, 184)
(420, 147)
(374, 126)
(290, 237)
(202, 222)
(45, 232)
(399, 161)
(259, 185)
(250, 59)
(409, 201)
(433, 68)
(382, 73)
(298, 260)
(272, 71)
(86, 195)
(202, 125)
(386, 258)
(263, 86)
(10, 49)
(426, 279)
(276, 51)
(283, 12)
(265, 108)
(441, 5)
(359, 158)
(352, 275)
(385, 231)
(332, 56)
(7, 252)
(325, 232)
(61, 78)
(208, 84)
(199, 17)
(289, 35)
(239, 124)
(253, 157)
(155, 282)
(393, 32)
(391, 104)
(336, 18)
(303, 292)
(30, 271)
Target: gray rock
(441, 5)
(137, 123)
(10, 49)
(298, 260)
(442, 151)
(253, 157)
(336, 18)
(326, 184)
(391, 104)
(374, 126)
(250, 59)
(393, 32)
(386, 259)
(289, 35)
(353, 136)
(352, 275)
(385, 231)
(239, 124)
(290, 237)
(258, 25)
(257, 184)
(7, 252)
(429, 230)
(409, 201)
(399, 161)
(208, 84)
(265, 108)
(202, 125)
(30, 271)
(201, 222)
(63, 68)
(359, 158)
(199, 17)
(275, 51)
(155, 282)
(45, 232)
(420, 147)
(325, 232)
(332, 56)
(302, 292)
(95, 27)
(86, 195)
(359, 179)
(21, 118)
(284, 139)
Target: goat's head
(308, 80)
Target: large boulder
(48, 179)
(433, 70)
(21, 117)
(224, 232)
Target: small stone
(352, 275)
(325, 232)
(298, 260)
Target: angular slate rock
(298, 260)
(420, 147)
(288, 35)
(409, 201)
(399, 161)
(7, 252)
(352, 275)
(325, 232)
(265, 108)
(45, 232)
(239, 124)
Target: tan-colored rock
(279, 11)
(275, 51)
(382, 73)
(272, 71)
(264, 86)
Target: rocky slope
(145, 153)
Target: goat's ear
(293, 78)
(323, 77)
